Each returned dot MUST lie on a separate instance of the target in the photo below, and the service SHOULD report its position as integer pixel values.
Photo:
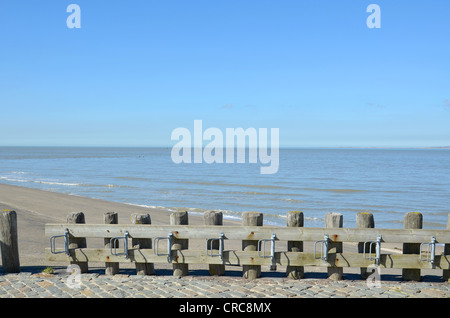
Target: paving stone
(96, 285)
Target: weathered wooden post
(364, 220)
(79, 242)
(111, 268)
(142, 243)
(8, 241)
(446, 272)
(180, 218)
(251, 219)
(412, 220)
(333, 220)
(214, 218)
(295, 219)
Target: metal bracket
(114, 240)
(66, 243)
(209, 247)
(377, 250)
(323, 250)
(272, 250)
(431, 251)
(169, 239)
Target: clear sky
(136, 70)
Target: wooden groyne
(148, 245)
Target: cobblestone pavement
(94, 285)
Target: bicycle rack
(66, 243)
(377, 250)
(323, 250)
(209, 242)
(169, 239)
(272, 250)
(431, 251)
(113, 244)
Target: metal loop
(323, 250)
(272, 250)
(431, 251)
(113, 244)
(377, 250)
(209, 251)
(66, 243)
(272, 247)
(169, 246)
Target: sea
(385, 182)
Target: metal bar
(169, 246)
(113, 244)
(431, 251)
(272, 250)
(323, 250)
(377, 250)
(66, 243)
(210, 241)
(273, 267)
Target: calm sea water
(386, 182)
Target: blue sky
(136, 70)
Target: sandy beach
(35, 208)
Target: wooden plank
(104, 255)
(239, 258)
(250, 232)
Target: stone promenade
(96, 285)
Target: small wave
(237, 185)
(314, 219)
(109, 186)
(153, 207)
(292, 200)
(66, 184)
(264, 193)
(14, 180)
(133, 178)
(335, 190)
(39, 181)
(19, 172)
(57, 183)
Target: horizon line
(280, 147)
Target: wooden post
(180, 218)
(8, 242)
(111, 268)
(142, 243)
(333, 220)
(364, 220)
(214, 218)
(79, 242)
(295, 219)
(446, 272)
(412, 220)
(251, 219)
